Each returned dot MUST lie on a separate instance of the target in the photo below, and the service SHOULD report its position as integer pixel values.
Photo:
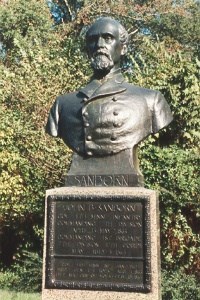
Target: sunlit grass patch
(8, 295)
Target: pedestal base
(101, 244)
(106, 171)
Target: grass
(8, 295)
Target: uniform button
(114, 99)
(85, 114)
(115, 113)
(89, 153)
(89, 138)
(84, 99)
(86, 124)
(113, 138)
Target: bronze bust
(104, 121)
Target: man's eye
(108, 38)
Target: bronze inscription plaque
(99, 243)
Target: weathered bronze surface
(98, 243)
(108, 117)
(104, 171)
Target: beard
(102, 61)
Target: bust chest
(112, 122)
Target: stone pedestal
(101, 243)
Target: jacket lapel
(90, 88)
(97, 89)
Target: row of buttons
(89, 137)
(113, 98)
(113, 138)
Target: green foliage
(25, 275)
(176, 75)
(31, 77)
(24, 20)
(29, 271)
(64, 11)
(169, 170)
(176, 285)
(177, 21)
(8, 279)
(170, 159)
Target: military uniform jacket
(107, 117)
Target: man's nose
(100, 42)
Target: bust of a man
(104, 121)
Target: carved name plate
(99, 243)
(104, 180)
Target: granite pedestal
(101, 243)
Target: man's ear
(124, 50)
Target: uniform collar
(111, 84)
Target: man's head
(106, 42)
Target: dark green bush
(25, 275)
(176, 285)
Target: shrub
(177, 285)
(25, 275)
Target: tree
(35, 69)
(64, 10)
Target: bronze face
(103, 45)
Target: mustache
(102, 52)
